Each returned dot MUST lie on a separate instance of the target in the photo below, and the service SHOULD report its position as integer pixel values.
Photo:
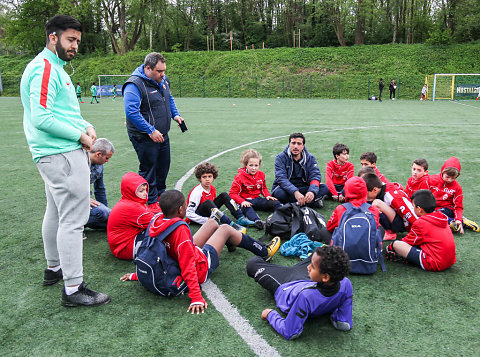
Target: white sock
(69, 290)
(55, 269)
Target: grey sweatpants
(67, 187)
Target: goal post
(106, 82)
(452, 86)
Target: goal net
(107, 81)
(454, 86)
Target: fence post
(256, 90)
(339, 85)
(398, 87)
(310, 87)
(180, 86)
(229, 86)
(203, 80)
(368, 87)
(85, 87)
(283, 87)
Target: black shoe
(84, 297)
(231, 247)
(51, 277)
(259, 224)
(318, 203)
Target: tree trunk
(360, 24)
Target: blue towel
(299, 245)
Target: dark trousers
(380, 94)
(285, 197)
(154, 161)
(271, 276)
(392, 94)
(223, 199)
(396, 226)
(261, 204)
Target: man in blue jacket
(149, 107)
(297, 176)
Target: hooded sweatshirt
(128, 217)
(246, 185)
(432, 234)
(336, 174)
(356, 194)
(449, 195)
(191, 259)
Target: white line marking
(467, 105)
(256, 342)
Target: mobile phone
(183, 126)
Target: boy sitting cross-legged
(314, 287)
(419, 179)
(429, 244)
(203, 203)
(199, 257)
(338, 171)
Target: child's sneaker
(389, 235)
(217, 215)
(469, 224)
(244, 221)
(239, 228)
(259, 224)
(392, 256)
(272, 248)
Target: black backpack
(290, 219)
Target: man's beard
(62, 54)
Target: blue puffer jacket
(284, 170)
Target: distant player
(94, 89)
(424, 92)
(114, 92)
(79, 93)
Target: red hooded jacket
(192, 261)
(432, 234)
(246, 185)
(448, 195)
(414, 185)
(356, 194)
(128, 217)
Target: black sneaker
(51, 277)
(318, 203)
(259, 224)
(84, 297)
(394, 257)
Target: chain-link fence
(289, 86)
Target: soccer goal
(107, 81)
(455, 86)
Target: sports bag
(290, 219)
(358, 236)
(157, 271)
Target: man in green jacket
(58, 136)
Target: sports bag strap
(365, 207)
(382, 262)
(166, 232)
(347, 205)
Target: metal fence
(289, 86)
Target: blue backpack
(157, 271)
(357, 234)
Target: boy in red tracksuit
(370, 159)
(198, 257)
(338, 171)
(129, 217)
(449, 195)
(248, 185)
(430, 243)
(419, 179)
(356, 194)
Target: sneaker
(244, 221)
(84, 236)
(394, 257)
(454, 226)
(51, 277)
(272, 248)
(217, 215)
(389, 235)
(84, 297)
(259, 224)
(469, 224)
(318, 203)
(239, 228)
(154, 208)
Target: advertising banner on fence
(467, 90)
(105, 90)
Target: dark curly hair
(334, 262)
(206, 168)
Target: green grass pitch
(404, 311)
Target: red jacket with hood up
(356, 194)
(128, 217)
(448, 195)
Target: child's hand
(197, 308)
(335, 198)
(271, 198)
(341, 198)
(126, 277)
(265, 313)
(459, 226)
(245, 204)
